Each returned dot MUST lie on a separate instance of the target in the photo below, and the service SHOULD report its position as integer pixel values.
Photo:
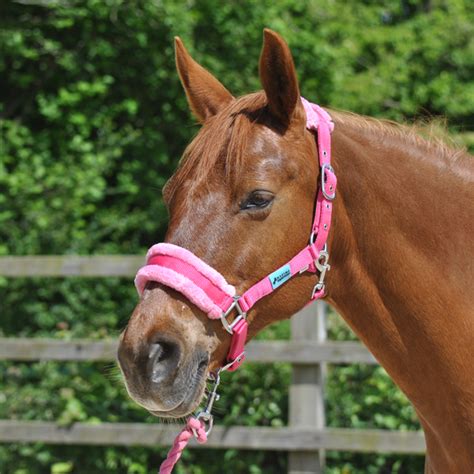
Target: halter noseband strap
(204, 286)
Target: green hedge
(93, 121)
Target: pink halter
(205, 287)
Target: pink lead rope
(192, 426)
(199, 427)
(180, 269)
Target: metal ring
(318, 287)
(208, 421)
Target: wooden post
(306, 402)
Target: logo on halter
(278, 277)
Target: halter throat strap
(180, 269)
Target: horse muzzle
(160, 376)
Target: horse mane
(222, 141)
(430, 135)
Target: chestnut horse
(401, 249)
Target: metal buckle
(323, 266)
(329, 168)
(241, 315)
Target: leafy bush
(93, 121)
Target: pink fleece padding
(315, 114)
(196, 262)
(179, 283)
(215, 293)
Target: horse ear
(206, 95)
(278, 77)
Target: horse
(401, 245)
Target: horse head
(241, 200)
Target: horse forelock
(220, 145)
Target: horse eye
(257, 200)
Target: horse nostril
(163, 358)
(159, 352)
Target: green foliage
(92, 123)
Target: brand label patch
(278, 277)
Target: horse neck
(401, 255)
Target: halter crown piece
(205, 287)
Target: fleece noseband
(205, 287)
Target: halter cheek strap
(204, 286)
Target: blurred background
(93, 121)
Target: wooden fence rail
(238, 437)
(305, 439)
(70, 265)
(293, 352)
